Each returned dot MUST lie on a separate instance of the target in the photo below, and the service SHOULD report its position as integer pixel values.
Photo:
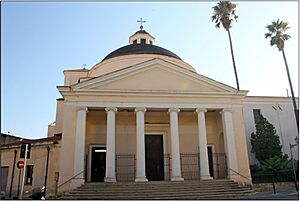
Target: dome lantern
(141, 36)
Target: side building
(280, 112)
(36, 175)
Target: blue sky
(40, 40)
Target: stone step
(194, 195)
(170, 188)
(155, 186)
(159, 190)
(186, 182)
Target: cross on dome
(141, 21)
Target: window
(135, 42)
(143, 41)
(29, 172)
(256, 114)
(151, 42)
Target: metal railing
(73, 177)
(125, 167)
(190, 166)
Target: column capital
(226, 110)
(200, 110)
(114, 109)
(173, 110)
(80, 108)
(140, 109)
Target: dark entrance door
(98, 164)
(210, 161)
(154, 157)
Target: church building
(143, 114)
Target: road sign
(20, 164)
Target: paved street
(282, 194)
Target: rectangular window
(150, 42)
(28, 175)
(256, 114)
(143, 41)
(135, 42)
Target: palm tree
(224, 13)
(276, 33)
(275, 166)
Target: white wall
(283, 121)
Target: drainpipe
(13, 173)
(46, 175)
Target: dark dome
(140, 49)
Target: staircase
(209, 189)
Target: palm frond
(276, 33)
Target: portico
(171, 128)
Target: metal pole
(46, 175)
(23, 179)
(13, 173)
(295, 177)
(19, 182)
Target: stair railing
(251, 185)
(73, 177)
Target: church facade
(142, 114)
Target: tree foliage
(277, 164)
(224, 13)
(276, 32)
(265, 142)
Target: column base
(107, 179)
(177, 179)
(205, 177)
(141, 179)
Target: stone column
(204, 167)
(229, 142)
(110, 173)
(175, 153)
(140, 145)
(79, 152)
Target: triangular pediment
(154, 75)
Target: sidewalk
(281, 194)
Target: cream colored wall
(67, 150)
(38, 158)
(188, 132)
(120, 62)
(241, 144)
(59, 116)
(51, 129)
(72, 76)
(157, 78)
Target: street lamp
(295, 177)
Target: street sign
(22, 152)
(20, 164)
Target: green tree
(224, 13)
(265, 142)
(276, 165)
(278, 37)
